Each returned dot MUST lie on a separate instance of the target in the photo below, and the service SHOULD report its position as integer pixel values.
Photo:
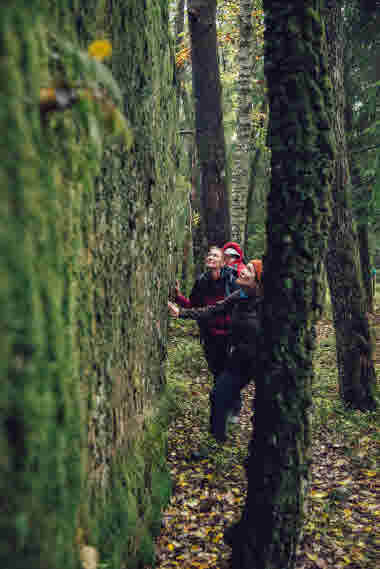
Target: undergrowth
(354, 427)
(340, 528)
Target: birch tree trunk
(240, 161)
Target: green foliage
(330, 412)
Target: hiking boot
(229, 534)
(200, 454)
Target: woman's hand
(173, 309)
(247, 277)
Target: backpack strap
(229, 281)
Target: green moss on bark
(87, 257)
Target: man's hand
(173, 309)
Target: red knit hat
(258, 267)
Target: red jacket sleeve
(195, 299)
(183, 301)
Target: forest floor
(343, 525)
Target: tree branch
(365, 149)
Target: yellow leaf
(170, 547)
(318, 495)
(370, 473)
(100, 49)
(311, 556)
(345, 481)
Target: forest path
(342, 530)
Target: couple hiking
(226, 303)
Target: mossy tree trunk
(41, 434)
(354, 342)
(87, 253)
(207, 93)
(297, 227)
(365, 261)
(134, 236)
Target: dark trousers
(216, 350)
(225, 393)
(217, 354)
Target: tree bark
(354, 343)
(360, 197)
(207, 94)
(253, 166)
(240, 162)
(298, 214)
(179, 22)
(365, 263)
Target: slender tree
(354, 344)
(207, 94)
(240, 165)
(297, 228)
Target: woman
(244, 307)
(233, 256)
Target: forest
(139, 139)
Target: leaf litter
(341, 530)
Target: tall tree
(207, 94)
(297, 228)
(361, 75)
(354, 344)
(240, 166)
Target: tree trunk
(254, 164)
(298, 214)
(207, 94)
(360, 197)
(199, 240)
(354, 344)
(365, 263)
(179, 22)
(240, 161)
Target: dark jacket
(245, 323)
(207, 292)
